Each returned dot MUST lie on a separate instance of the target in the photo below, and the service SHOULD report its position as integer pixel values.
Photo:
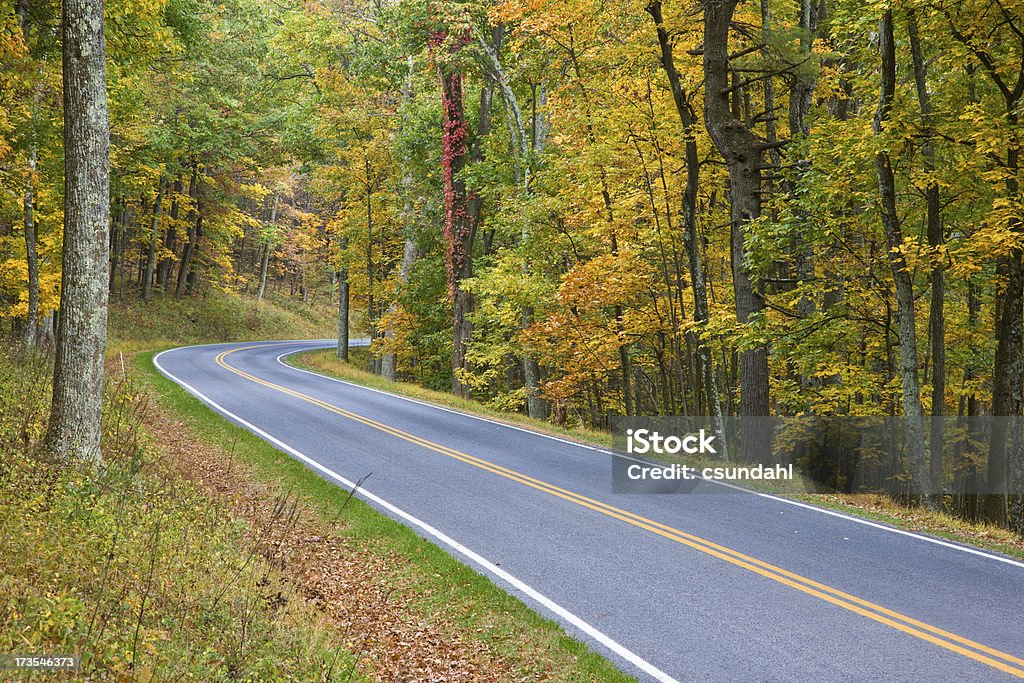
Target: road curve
(701, 586)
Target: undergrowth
(218, 316)
(134, 569)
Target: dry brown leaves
(362, 593)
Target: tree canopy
(574, 209)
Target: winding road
(714, 585)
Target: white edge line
(806, 506)
(473, 557)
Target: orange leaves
(608, 280)
(539, 16)
(601, 305)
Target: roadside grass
(219, 316)
(438, 586)
(434, 585)
(883, 509)
(143, 572)
(874, 507)
(325, 361)
(133, 568)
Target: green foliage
(427, 332)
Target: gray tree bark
(688, 119)
(742, 153)
(389, 362)
(75, 418)
(912, 412)
(31, 253)
(801, 92)
(521, 152)
(1008, 372)
(195, 225)
(45, 334)
(371, 308)
(936, 313)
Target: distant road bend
(727, 587)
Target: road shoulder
(407, 608)
(873, 508)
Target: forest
(574, 209)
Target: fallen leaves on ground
(366, 594)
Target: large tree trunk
(521, 152)
(462, 332)
(371, 308)
(187, 267)
(742, 153)
(192, 279)
(461, 211)
(389, 362)
(1007, 377)
(804, 81)
(75, 428)
(936, 313)
(1006, 383)
(801, 93)
(688, 119)
(192, 285)
(1008, 372)
(912, 412)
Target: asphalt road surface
(702, 586)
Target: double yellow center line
(950, 641)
